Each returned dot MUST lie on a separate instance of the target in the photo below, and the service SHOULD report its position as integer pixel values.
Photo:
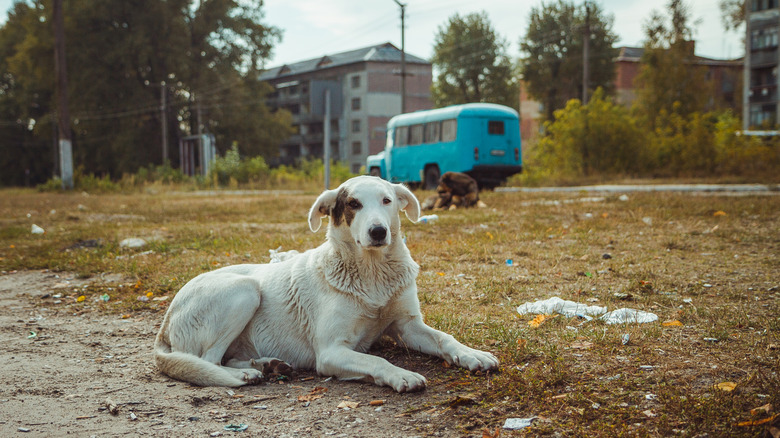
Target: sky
(314, 28)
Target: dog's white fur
(322, 309)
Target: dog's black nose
(378, 233)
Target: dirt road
(65, 368)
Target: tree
(472, 63)
(670, 79)
(732, 13)
(552, 64)
(202, 54)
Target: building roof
(634, 54)
(379, 53)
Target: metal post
(326, 139)
(746, 72)
(586, 55)
(403, 58)
(164, 121)
(63, 121)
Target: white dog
(322, 309)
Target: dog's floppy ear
(409, 203)
(322, 207)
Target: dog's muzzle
(378, 234)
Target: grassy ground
(707, 265)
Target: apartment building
(365, 92)
(760, 100)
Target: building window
(355, 80)
(357, 148)
(355, 104)
(356, 126)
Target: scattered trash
(143, 298)
(767, 408)
(558, 305)
(649, 413)
(625, 338)
(647, 220)
(236, 427)
(112, 407)
(132, 243)
(726, 386)
(277, 255)
(606, 256)
(37, 230)
(711, 339)
(650, 396)
(376, 402)
(509, 262)
(623, 198)
(81, 298)
(720, 213)
(348, 405)
(674, 323)
(518, 423)
(583, 345)
(428, 218)
(23, 429)
(105, 298)
(622, 296)
(132, 416)
(626, 315)
(646, 367)
(32, 335)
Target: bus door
(497, 141)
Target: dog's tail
(188, 367)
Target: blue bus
(479, 139)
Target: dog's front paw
(476, 360)
(405, 381)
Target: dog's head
(368, 207)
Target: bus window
(432, 131)
(402, 136)
(416, 134)
(496, 127)
(449, 130)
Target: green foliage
(207, 54)
(602, 140)
(82, 181)
(472, 63)
(598, 138)
(552, 48)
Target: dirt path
(61, 366)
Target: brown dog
(455, 190)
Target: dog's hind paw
(273, 368)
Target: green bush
(585, 140)
(86, 182)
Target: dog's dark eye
(353, 204)
(387, 201)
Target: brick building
(365, 92)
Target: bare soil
(63, 369)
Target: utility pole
(326, 139)
(164, 120)
(63, 119)
(586, 55)
(403, 58)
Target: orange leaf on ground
(539, 319)
(726, 386)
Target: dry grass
(671, 254)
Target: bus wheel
(375, 172)
(431, 177)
